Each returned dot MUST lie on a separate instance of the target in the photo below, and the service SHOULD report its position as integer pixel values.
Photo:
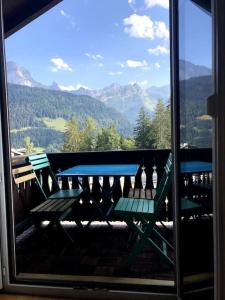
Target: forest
(58, 121)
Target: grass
(57, 124)
(20, 129)
(39, 149)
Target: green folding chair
(40, 163)
(141, 216)
(52, 210)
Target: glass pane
(95, 94)
(195, 71)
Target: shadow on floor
(96, 251)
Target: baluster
(154, 177)
(106, 189)
(122, 181)
(138, 183)
(65, 183)
(127, 185)
(132, 181)
(96, 189)
(70, 182)
(210, 178)
(90, 180)
(75, 183)
(59, 179)
(143, 177)
(84, 208)
(117, 192)
(85, 183)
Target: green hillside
(42, 114)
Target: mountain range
(41, 111)
(126, 99)
(17, 74)
(42, 114)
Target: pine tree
(162, 126)
(143, 131)
(108, 139)
(89, 135)
(72, 138)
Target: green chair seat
(131, 206)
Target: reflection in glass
(195, 71)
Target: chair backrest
(24, 183)
(23, 174)
(41, 164)
(26, 173)
(163, 187)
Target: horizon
(82, 87)
(85, 88)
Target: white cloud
(111, 73)
(139, 26)
(94, 56)
(69, 17)
(70, 88)
(162, 3)
(136, 63)
(161, 31)
(59, 64)
(143, 27)
(131, 1)
(158, 50)
(157, 65)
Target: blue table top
(195, 166)
(100, 170)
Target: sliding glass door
(192, 85)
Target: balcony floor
(101, 251)
(96, 251)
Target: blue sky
(94, 43)
(195, 34)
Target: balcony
(100, 250)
